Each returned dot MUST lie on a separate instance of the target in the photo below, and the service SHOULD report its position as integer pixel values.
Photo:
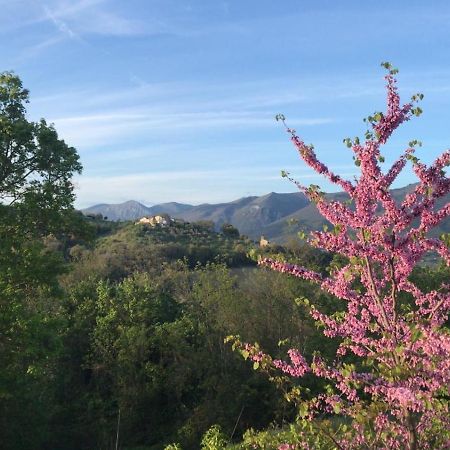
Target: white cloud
(190, 186)
(91, 130)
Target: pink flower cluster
(298, 366)
(287, 447)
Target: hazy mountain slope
(130, 210)
(249, 214)
(219, 213)
(307, 218)
(172, 208)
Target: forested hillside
(133, 339)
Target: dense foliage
(141, 352)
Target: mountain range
(276, 216)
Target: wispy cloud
(85, 17)
(189, 186)
(91, 130)
(35, 50)
(74, 21)
(60, 24)
(265, 94)
(75, 18)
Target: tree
(391, 375)
(36, 167)
(229, 230)
(36, 196)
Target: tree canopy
(36, 167)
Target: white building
(163, 221)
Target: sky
(174, 100)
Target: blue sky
(174, 100)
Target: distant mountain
(132, 210)
(276, 216)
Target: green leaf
(303, 410)
(378, 116)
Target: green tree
(36, 166)
(229, 230)
(36, 196)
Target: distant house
(161, 220)
(263, 242)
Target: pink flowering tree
(394, 392)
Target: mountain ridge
(277, 216)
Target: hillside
(141, 247)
